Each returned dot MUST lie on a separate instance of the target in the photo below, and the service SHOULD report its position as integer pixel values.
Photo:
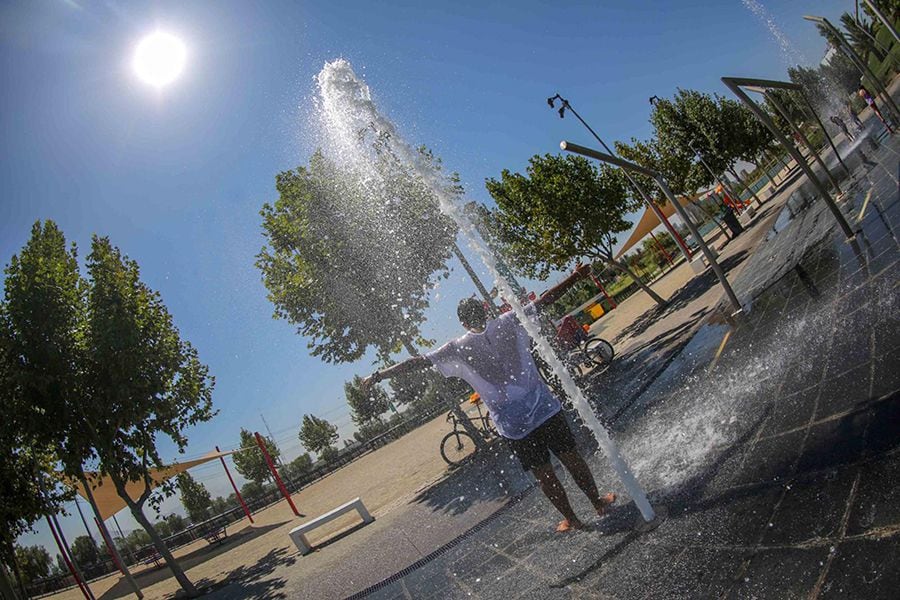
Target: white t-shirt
(497, 363)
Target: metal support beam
(624, 164)
(734, 84)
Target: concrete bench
(298, 534)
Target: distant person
(853, 117)
(870, 100)
(494, 357)
(840, 123)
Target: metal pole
(101, 525)
(236, 492)
(884, 20)
(284, 492)
(794, 152)
(84, 521)
(475, 279)
(726, 186)
(860, 64)
(612, 303)
(662, 249)
(796, 129)
(824, 132)
(63, 550)
(637, 187)
(710, 257)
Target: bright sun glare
(159, 58)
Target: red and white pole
(64, 552)
(236, 492)
(662, 248)
(596, 281)
(284, 492)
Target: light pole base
(662, 513)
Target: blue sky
(176, 177)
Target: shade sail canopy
(648, 221)
(108, 500)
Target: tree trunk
(15, 567)
(715, 220)
(766, 173)
(137, 512)
(759, 202)
(6, 587)
(624, 269)
(461, 417)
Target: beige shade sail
(108, 500)
(648, 221)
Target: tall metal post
(114, 552)
(624, 164)
(492, 308)
(596, 281)
(634, 184)
(70, 563)
(884, 20)
(662, 249)
(84, 521)
(799, 133)
(271, 464)
(858, 61)
(735, 86)
(815, 115)
(236, 492)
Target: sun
(159, 58)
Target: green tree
(721, 130)
(250, 461)
(365, 404)
(562, 210)
(298, 467)
(84, 550)
(194, 497)
(34, 562)
(329, 454)
(317, 434)
(351, 262)
(109, 339)
(252, 490)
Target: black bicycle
(458, 446)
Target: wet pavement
(773, 447)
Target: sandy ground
(384, 479)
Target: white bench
(298, 534)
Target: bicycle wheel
(457, 447)
(599, 351)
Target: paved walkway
(774, 451)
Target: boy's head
(471, 314)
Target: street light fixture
(630, 166)
(736, 84)
(640, 190)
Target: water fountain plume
(347, 109)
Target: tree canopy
(250, 461)
(194, 497)
(366, 403)
(562, 209)
(318, 435)
(351, 258)
(104, 355)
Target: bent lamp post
(734, 84)
(782, 110)
(856, 60)
(640, 190)
(630, 166)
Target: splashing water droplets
(348, 114)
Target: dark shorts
(553, 435)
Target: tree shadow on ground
(154, 575)
(252, 581)
(686, 294)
